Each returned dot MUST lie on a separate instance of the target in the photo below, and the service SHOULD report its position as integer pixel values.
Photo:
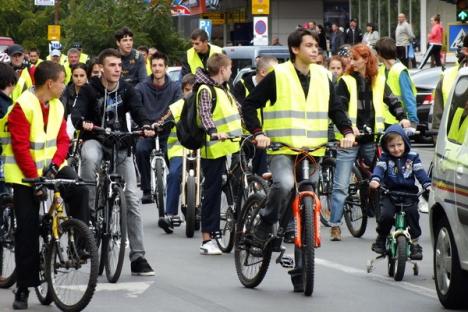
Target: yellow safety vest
(63, 59)
(227, 120)
(194, 60)
(294, 119)
(448, 81)
(23, 84)
(378, 90)
(457, 129)
(174, 148)
(84, 58)
(148, 67)
(68, 73)
(43, 143)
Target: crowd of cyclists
(299, 103)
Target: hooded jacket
(398, 174)
(90, 107)
(156, 100)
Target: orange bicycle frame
(296, 211)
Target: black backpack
(189, 134)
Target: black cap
(76, 45)
(15, 49)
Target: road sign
(177, 10)
(44, 2)
(456, 32)
(217, 18)
(260, 7)
(206, 25)
(260, 29)
(53, 32)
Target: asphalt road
(188, 281)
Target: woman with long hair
(363, 92)
(371, 36)
(68, 98)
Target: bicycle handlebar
(53, 182)
(275, 146)
(398, 193)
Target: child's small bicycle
(399, 241)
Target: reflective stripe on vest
(174, 149)
(457, 131)
(294, 119)
(194, 60)
(378, 90)
(448, 81)
(43, 144)
(227, 120)
(23, 84)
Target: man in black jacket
(133, 62)
(104, 102)
(156, 93)
(353, 34)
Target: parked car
(448, 201)
(174, 73)
(5, 42)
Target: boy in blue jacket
(396, 169)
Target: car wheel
(450, 279)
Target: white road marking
(132, 289)
(420, 290)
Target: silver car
(449, 200)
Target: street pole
(57, 12)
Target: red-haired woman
(363, 93)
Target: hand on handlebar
(262, 141)
(348, 141)
(374, 184)
(40, 192)
(88, 126)
(405, 123)
(219, 136)
(148, 131)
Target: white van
(449, 200)
(244, 56)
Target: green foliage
(93, 24)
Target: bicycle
(7, 241)
(191, 190)
(158, 176)
(399, 241)
(305, 210)
(325, 182)
(238, 183)
(110, 224)
(68, 255)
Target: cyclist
(16, 53)
(156, 93)
(133, 63)
(221, 121)
(104, 102)
(175, 153)
(363, 92)
(396, 169)
(197, 56)
(30, 152)
(301, 100)
(398, 79)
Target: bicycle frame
(191, 166)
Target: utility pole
(57, 12)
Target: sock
(206, 241)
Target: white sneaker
(210, 248)
(423, 206)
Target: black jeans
(402, 53)
(433, 50)
(213, 170)
(144, 147)
(388, 211)
(27, 218)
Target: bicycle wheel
(255, 184)
(7, 250)
(190, 201)
(354, 208)
(390, 261)
(159, 186)
(72, 266)
(325, 187)
(251, 262)
(227, 221)
(114, 242)
(43, 293)
(99, 224)
(401, 257)
(308, 247)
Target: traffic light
(462, 11)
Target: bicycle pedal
(287, 262)
(176, 221)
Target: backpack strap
(213, 98)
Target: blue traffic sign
(206, 25)
(456, 33)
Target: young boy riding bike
(396, 169)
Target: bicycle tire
(227, 222)
(243, 248)
(7, 251)
(191, 206)
(255, 184)
(308, 246)
(354, 209)
(401, 258)
(325, 190)
(43, 293)
(159, 186)
(78, 234)
(117, 236)
(99, 225)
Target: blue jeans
(344, 165)
(173, 186)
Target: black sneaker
(296, 279)
(141, 267)
(21, 299)
(262, 231)
(416, 252)
(166, 224)
(379, 245)
(147, 198)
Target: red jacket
(436, 34)
(19, 128)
